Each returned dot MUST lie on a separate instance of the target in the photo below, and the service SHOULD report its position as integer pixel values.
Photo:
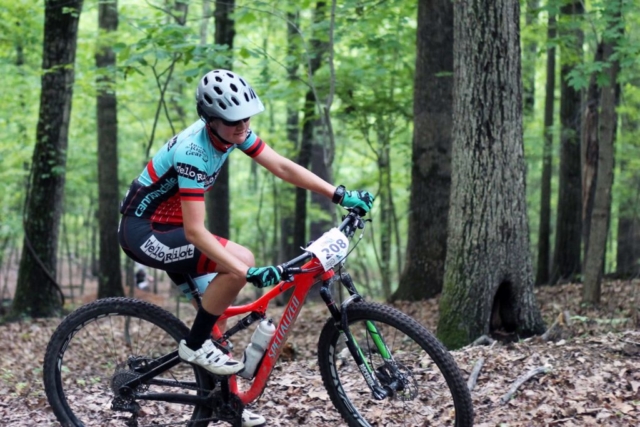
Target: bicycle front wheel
(425, 384)
(105, 344)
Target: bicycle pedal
(225, 346)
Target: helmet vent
(230, 75)
(235, 101)
(218, 90)
(222, 105)
(218, 79)
(208, 99)
(242, 81)
(246, 97)
(205, 80)
(233, 87)
(253, 94)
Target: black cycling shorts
(164, 247)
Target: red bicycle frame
(303, 283)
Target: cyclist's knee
(247, 257)
(243, 254)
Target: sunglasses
(236, 123)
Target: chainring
(228, 410)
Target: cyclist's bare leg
(225, 287)
(220, 293)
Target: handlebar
(350, 223)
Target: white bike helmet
(224, 94)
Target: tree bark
(36, 294)
(566, 261)
(529, 59)
(628, 249)
(431, 156)
(109, 277)
(595, 257)
(488, 270)
(287, 249)
(589, 151)
(218, 216)
(544, 231)
(318, 49)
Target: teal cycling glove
(262, 277)
(353, 199)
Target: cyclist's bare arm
(293, 173)
(193, 214)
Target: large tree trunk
(544, 230)
(36, 295)
(218, 198)
(488, 277)
(566, 261)
(431, 158)
(595, 256)
(109, 277)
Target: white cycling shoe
(212, 359)
(249, 419)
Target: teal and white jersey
(183, 169)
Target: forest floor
(592, 374)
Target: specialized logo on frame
(161, 252)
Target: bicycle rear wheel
(429, 386)
(101, 346)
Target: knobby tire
(435, 392)
(85, 334)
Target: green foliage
(374, 57)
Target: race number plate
(330, 248)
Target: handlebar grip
(359, 211)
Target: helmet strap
(221, 143)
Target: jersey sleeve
(192, 176)
(253, 145)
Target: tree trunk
(287, 249)
(386, 211)
(594, 260)
(177, 113)
(544, 231)
(36, 294)
(566, 261)
(589, 152)
(529, 59)
(488, 276)
(628, 249)
(218, 198)
(318, 48)
(431, 156)
(320, 166)
(110, 277)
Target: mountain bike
(114, 362)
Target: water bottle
(256, 348)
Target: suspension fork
(342, 323)
(346, 280)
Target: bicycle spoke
(104, 353)
(399, 353)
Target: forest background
(338, 82)
(343, 92)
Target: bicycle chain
(198, 420)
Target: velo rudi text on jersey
(184, 169)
